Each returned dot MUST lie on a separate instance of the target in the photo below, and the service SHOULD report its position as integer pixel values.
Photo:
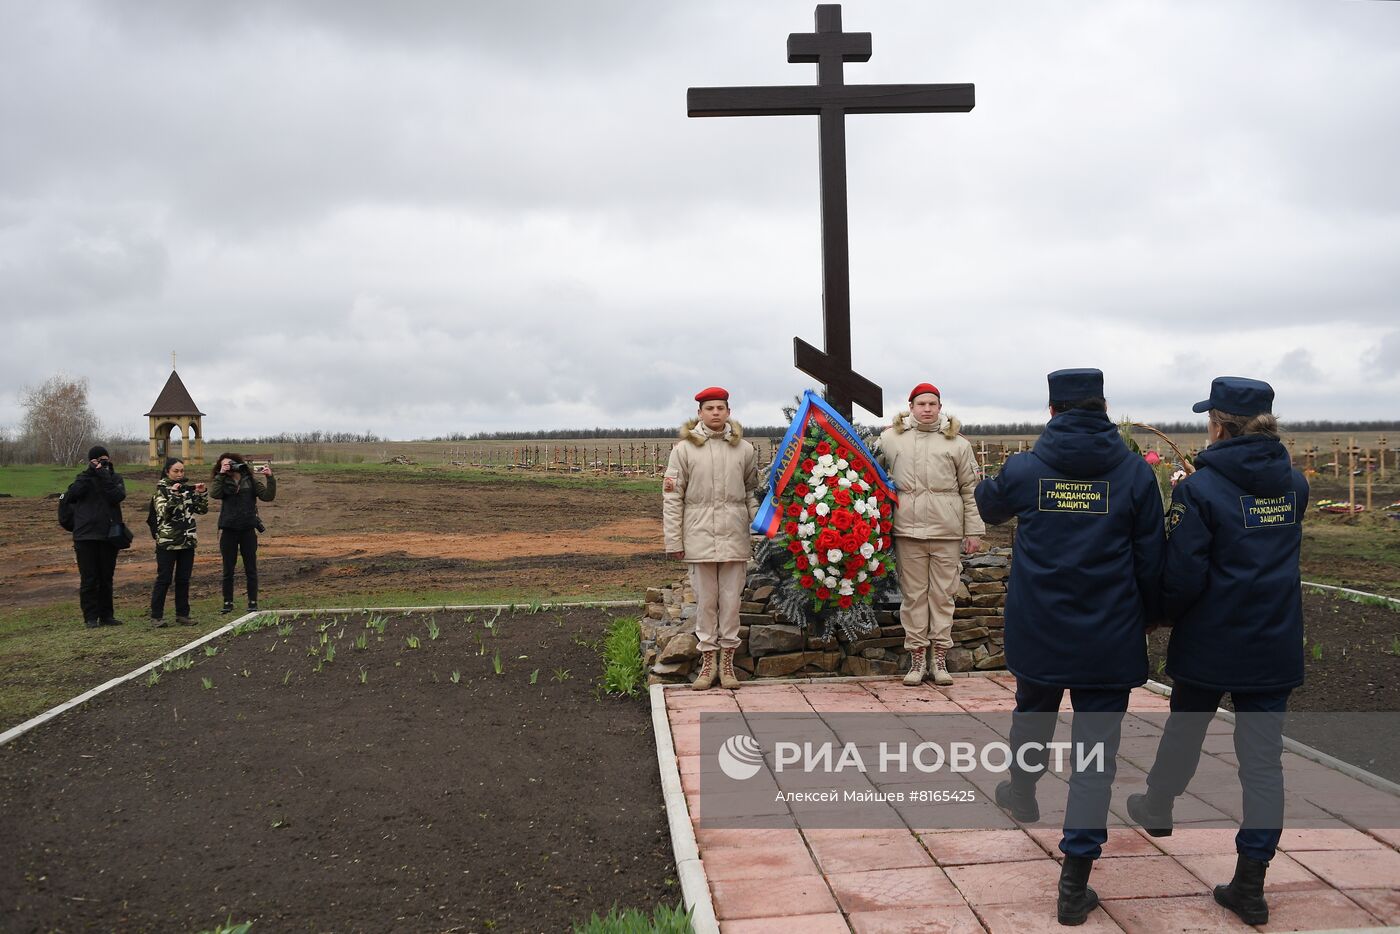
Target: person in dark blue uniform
(1084, 587)
(1233, 595)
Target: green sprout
(496, 663)
(207, 682)
(1317, 651)
(433, 631)
(330, 652)
(153, 678)
(456, 676)
(210, 651)
(287, 677)
(412, 641)
(362, 642)
(560, 675)
(364, 676)
(534, 676)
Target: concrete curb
(695, 886)
(16, 731)
(1393, 601)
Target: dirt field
(367, 531)
(368, 793)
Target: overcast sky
(420, 217)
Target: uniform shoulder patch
(1261, 512)
(1174, 517)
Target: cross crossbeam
(831, 99)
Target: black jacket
(1087, 560)
(95, 495)
(1231, 583)
(239, 492)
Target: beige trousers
(718, 585)
(928, 577)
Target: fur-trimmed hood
(696, 433)
(948, 424)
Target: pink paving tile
(886, 849)
(1122, 841)
(1354, 869)
(1199, 840)
(1003, 883)
(831, 923)
(769, 898)
(1315, 911)
(757, 861)
(1297, 839)
(701, 700)
(1143, 877)
(1198, 913)
(1388, 835)
(893, 888)
(1383, 903)
(1034, 917)
(746, 836)
(957, 919)
(963, 847)
(1284, 875)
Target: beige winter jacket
(934, 472)
(708, 512)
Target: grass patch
(429, 473)
(34, 481)
(622, 657)
(1364, 599)
(664, 920)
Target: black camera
(240, 466)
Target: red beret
(922, 388)
(712, 393)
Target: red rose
(885, 509)
(843, 519)
(823, 593)
(861, 530)
(880, 571)
(844, 602)
(823, 520)
(823, 447)
(809, 465)
(850, 543)
(842, 497)
(802, 489)
(860, 487)
(868, 475)
(806, 580)
(843, 453)
(803, 564)
(828, 538)
(794, 510)
(886, 527)
(790, 529)
(795, 547)
(863, 588)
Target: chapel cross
(832, 99)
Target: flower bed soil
(1357, 671)
(312, 801)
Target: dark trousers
(179, 564)
(1258, 748)
(97, 564)
(1098, 720)
(232, 542)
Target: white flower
(806, 546)
(873, 565)
(823, 509)
(819, 491)
(846, 589)
(852, 475)
(810, 498)
(802, 516)
(861, 577)
(859, 506)
(834, 556)
(825, 460)
(867, 550)
(842, 464)
(808, 530)
(843, 482)
(873, 506)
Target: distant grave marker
(831, 99)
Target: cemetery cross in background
(832, 99)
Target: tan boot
(727, 678)
(706, 678)
(918, 666)
(940, 668)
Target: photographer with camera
(239, 487)
(174, 507)
(98, 534)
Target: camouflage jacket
(175, 514)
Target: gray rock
(979, 653)
(872, 653)
(865, 667)
(688, 611)
(779, 666)
(763, 594)
(882, 643)
(992, 661)
(654, 595)
(755, 619)
(671, 668)
(992, 587)
(987, 561)
(968, 635)
(959, 659)
(771, 640)
(682, 647)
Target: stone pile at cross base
(770, 646)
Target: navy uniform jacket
(1087, 563)
(1231, 584)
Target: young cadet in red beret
(708, 502)
(933, 468)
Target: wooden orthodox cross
(831, 98)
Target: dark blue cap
(1238, 396)
(1073, 385)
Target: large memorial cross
(831, 98)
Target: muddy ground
(373, 794)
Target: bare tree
(57, 420)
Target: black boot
(228, 607)
(1019, 803)
(1151, 814)
(1076, 898)
(1245, 893)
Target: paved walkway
(795, 879)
